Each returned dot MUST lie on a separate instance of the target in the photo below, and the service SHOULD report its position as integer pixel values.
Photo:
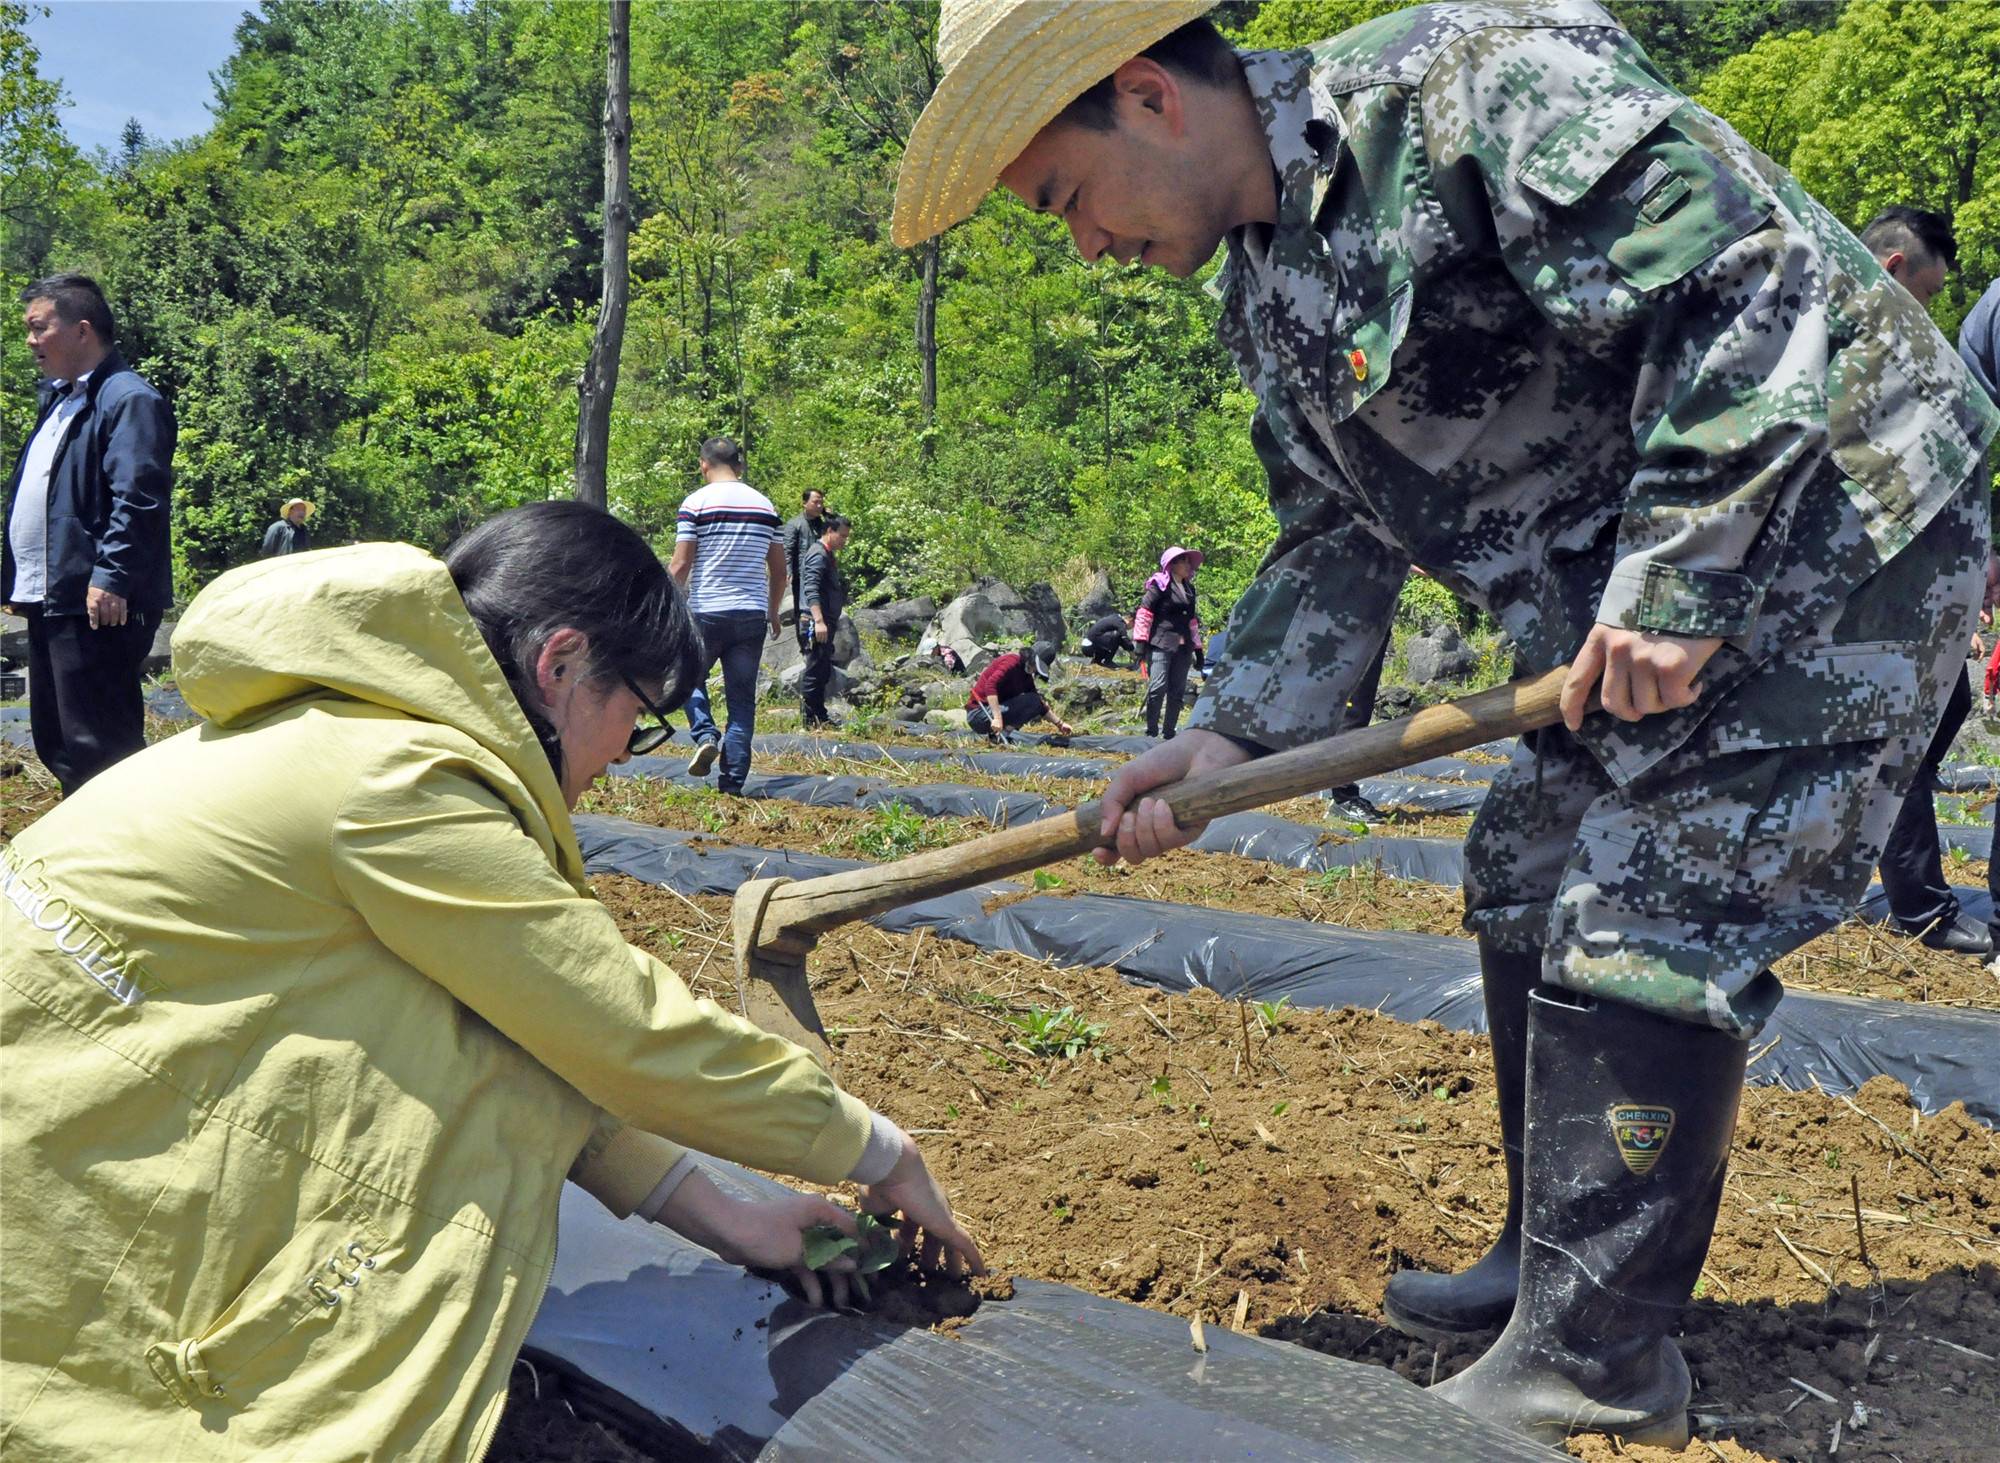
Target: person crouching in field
(310, 1011)
(1005, 696)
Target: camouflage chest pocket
(1633, 184)
(1357, 361)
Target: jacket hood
(376, 623)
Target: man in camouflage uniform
(1519, 314)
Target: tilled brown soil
(1857, 958)
(1191, 1156)
(1202, 1157)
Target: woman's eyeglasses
(644, 738)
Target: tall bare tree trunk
(927, 293)
(599, 382)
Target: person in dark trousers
(289, 535)
(1979, 348)
(1005, 698)
(1109, 637)
(1347, 800)
(802, 530)
(726, 556)
(1167, 630)
(86, 560)
(822, 600)
(1917, 250)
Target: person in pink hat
(1167, 632)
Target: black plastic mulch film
(1941, 1054)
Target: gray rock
(1085, 694)
(949, 692)
(782, 654)
(160, 659)
(1097, 601)
(788, 681)
(846, 641)
(899, 620)
(990, 614)
(13, 637)
(1394, 703)
(1045, 613)
(1439, 656)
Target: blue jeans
(737, 640)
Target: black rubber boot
(1629, 1117)
(1424, 1303)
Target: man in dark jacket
(800, 534)
(1916, 248)
(822, 597)
(86, 560)
(1109, 637)
(289, 535)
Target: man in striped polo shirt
(728, 559)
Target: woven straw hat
(1009, 67)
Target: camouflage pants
(1677, 891)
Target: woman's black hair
(531, 571)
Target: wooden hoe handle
(800, 911)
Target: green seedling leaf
(824, 1244)
(873, 1245)
(1044, 880)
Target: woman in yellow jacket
(308, 1012)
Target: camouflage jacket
(1535, 322)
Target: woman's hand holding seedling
(910, 1189)
(766, 1234)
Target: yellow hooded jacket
(307, 1012)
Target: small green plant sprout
(1272, 1015)
(1442, 1094)
(951, 1110)
(873, 1246)
(1278, 1109)
(1056, 1034)
(714, 820)
(895, 830)
(1161, 1086)
(1045, 881)
(1327, 878)
(1831, 1158)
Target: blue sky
(148, 59)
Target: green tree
(1872, 113)
(39, 175)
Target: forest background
(372, 282)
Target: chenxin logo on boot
(1641, 1134)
